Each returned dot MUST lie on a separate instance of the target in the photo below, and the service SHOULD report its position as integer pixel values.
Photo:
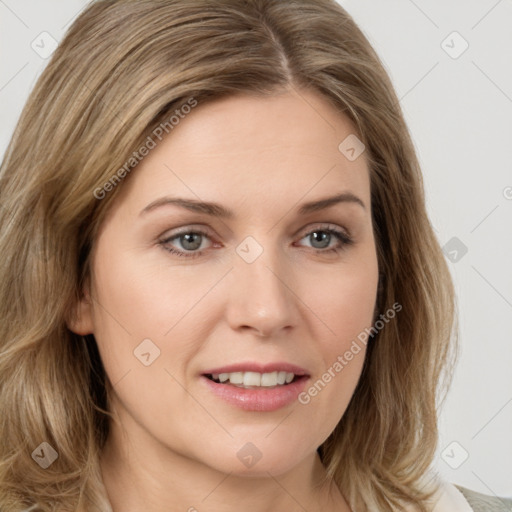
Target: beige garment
(451, 500)
(455, 498)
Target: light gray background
(459, 111)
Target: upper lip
(259, 368)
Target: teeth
(236, 378)
(269, 379)
(252, 379)
(255, 379)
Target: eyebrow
(217, 210)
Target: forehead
(266, 149)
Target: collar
(450, 499)
(447, 497)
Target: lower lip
(261, 399)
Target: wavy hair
(122, 68)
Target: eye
(322, 239)
(188, 242)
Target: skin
(174, 444)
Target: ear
(80, 320)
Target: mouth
(256, 387)
(256, 380)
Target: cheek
(137, 298)
(345, 309)
(343, 300)
(136, 301)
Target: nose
(261, 297)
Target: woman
(219, 286)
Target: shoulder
(483, 502)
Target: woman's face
(269, 280)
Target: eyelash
(342, 237)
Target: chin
(251, 462)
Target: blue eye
(323, 238)
(191, 241)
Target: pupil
(324, 237)
(191, 241)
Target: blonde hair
(123, 68)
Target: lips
(258, 368)
(256, 387)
